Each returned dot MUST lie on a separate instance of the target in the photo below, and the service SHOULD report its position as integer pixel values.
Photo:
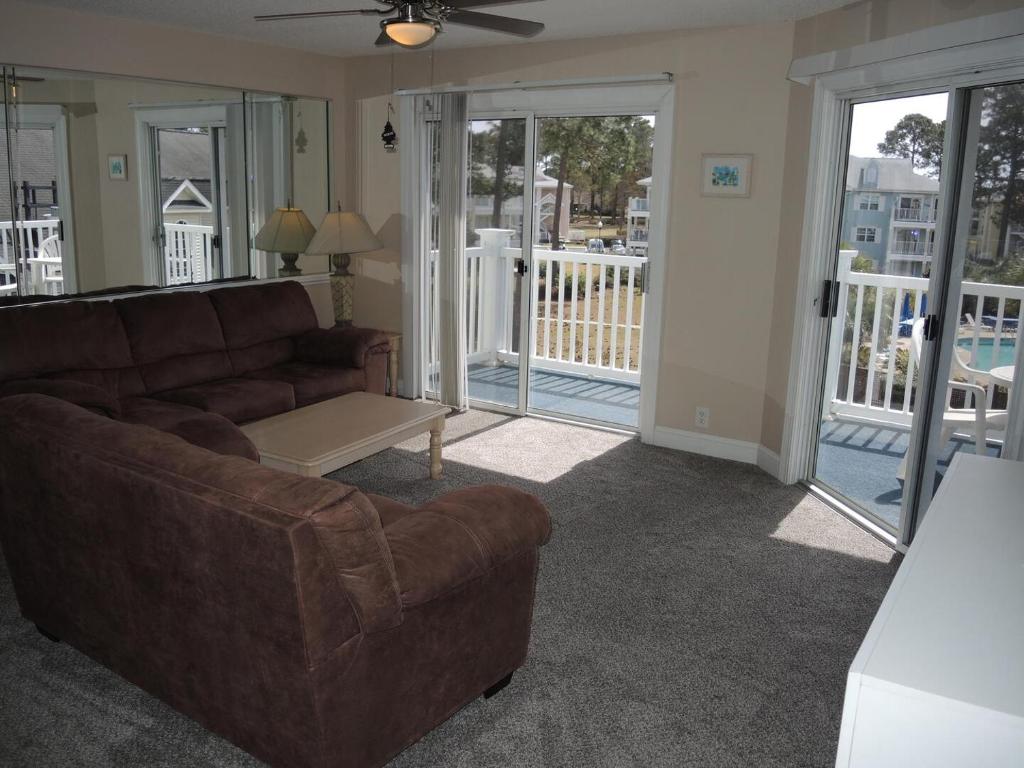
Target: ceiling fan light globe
(410, 34)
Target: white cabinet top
(952, 624)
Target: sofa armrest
(75, 392)
(344, 347)
(461, 536)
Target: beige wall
(856, 24)
(731, 96)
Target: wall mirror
(110, 184)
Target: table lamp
(287, 232)
(341, 234)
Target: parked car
(595, 245)
(618, 248)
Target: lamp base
(342, 296)
(289, 269)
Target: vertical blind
(453, 385)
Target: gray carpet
(691, 612)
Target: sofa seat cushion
(313, 383)
(239, 400)
(207, 430)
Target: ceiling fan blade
(497, 23)
(384, 39)
(481, 3)
(320, 14)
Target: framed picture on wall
(726, 175)
(117, 167)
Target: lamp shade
(287, 231)
(344, 232)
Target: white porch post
(838, 329)
(494, 306)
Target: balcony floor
(861, 461)
(562, 393)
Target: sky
(871, 121)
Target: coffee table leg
(435, 449)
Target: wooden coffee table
(318, 439)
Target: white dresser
(939, 679)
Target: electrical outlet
(703, 419)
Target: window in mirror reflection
(205, 167)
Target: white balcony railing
(920, 215)
(589, 309)
(20, 244)
(871, 372)
(589, 316)
(188, 254)
(910, 248)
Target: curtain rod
(520, 85)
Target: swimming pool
(983, 362)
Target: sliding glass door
(497, 254)
(923, 308)
(977, 331)
(592, 203)
(885, 245)
(558, 215)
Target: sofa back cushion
(261, 321)
(175, 339)
(78, 340)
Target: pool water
(984, 362)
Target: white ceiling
(353, 36)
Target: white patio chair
(48, 268)
(976, 420)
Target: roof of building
(181, 194)
(35, 164)
(888, 174)
(543, 181)
(184, 155)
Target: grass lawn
(595, 321)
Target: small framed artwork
(117, 167)
(726, 175)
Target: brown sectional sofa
(190, 363)
(304, 621)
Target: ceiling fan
(414, 24)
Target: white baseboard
(769, 461)
(705, 444)
(717, 447)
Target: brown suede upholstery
(88, 396)
(239, 400)
(285, 613)
(208, 430)
(313, 383)
(338, 346)
(231, 352)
